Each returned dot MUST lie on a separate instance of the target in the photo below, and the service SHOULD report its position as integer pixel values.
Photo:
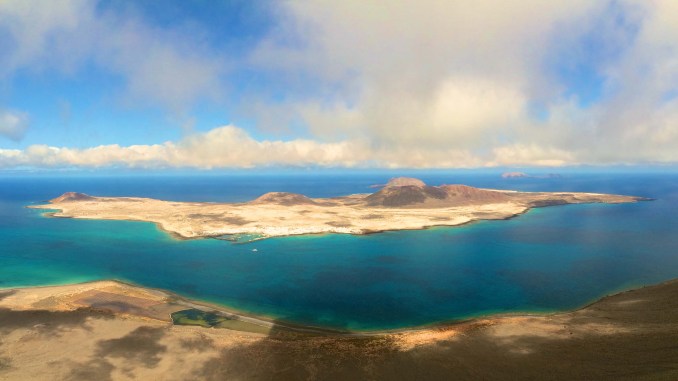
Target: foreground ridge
(111, 330)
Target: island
(401, 204)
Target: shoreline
(271, 322)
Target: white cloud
(31, 30)
(393, 63)
(169, 67)
(483, 77)
(165, 67)
(415, 84)
(531, 155)
(13, 124)
(232, 147)
(229, 147)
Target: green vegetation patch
(197, 317)
(212, 319)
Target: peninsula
(402, 204)
(109, 330)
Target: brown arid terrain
(113, 331)
(403, 203)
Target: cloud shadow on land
(4, 294)
(140, 347)
(628, 336)
(47, 322)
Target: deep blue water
(548, 259)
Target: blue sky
(243, 84)
(87, 106)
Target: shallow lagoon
(549, 259)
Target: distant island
(403, 203)
(523, 175)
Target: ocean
(550, 259)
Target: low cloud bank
(231, 147)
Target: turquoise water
(546, 260)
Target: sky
(199, 84)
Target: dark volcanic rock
(405, 181)
(464, 194)
(71, 196)
(543, 203)
(413, 192)
(405, 191)
(397, 196)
